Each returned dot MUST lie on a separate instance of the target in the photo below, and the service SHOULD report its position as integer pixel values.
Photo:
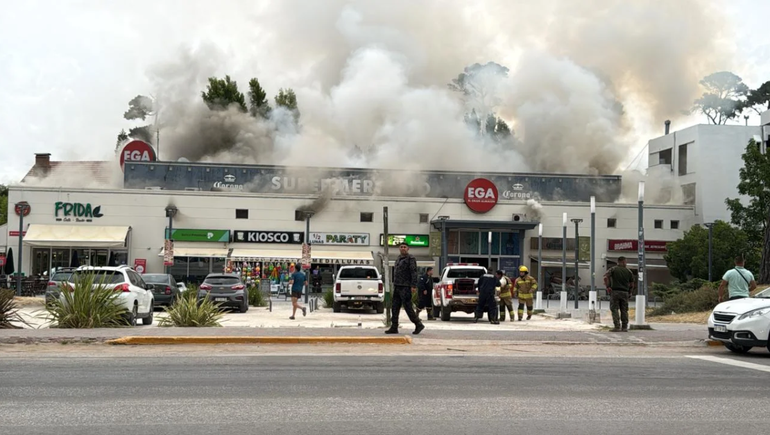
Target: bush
(86, 305)
(702, 299)
(328, 299)
(257, 297)
(9, 311)
(186, 311)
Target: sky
(68, 68)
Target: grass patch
(256, 298)
(26, 301)
(9, 311)
(696, 301)
(328, 297)
(87, 305)
(189, 313)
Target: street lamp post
(641, 294)
(592, 293)
(171, 211)
(308, 215)
(710, 226)
(563, 293)
(539, 295)
(22, 208)
(577, 258)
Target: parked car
(456, 290)
(58, 277)
(182, 287)
(359, 287)
(742, 324)
(228, 290)
(166, 290)
(135, 296)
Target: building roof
(98, 171)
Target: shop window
(509, 244)
(118, 258)
(495, 243)
(198, 268)
(241, 213)
(60, 258)
(218, 265)
(299, 216)
(367, 217)
(452, 243)
(674, 225)
(658, 224)
(40, 261)
(612, 223)
(469, 243)
(424, 218)
(179, 269)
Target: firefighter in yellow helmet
(506, 295)
(524, 288)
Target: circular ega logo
(137, 150)
(481, 195)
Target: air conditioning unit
(518, 217)
(153, 188)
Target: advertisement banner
(168, 253)
(434, 248)
(418, 240)
(306, 256)
(628, 245)
(279, 237)
(140, 265)
(584, 248)
(192, 235)
(358, 239)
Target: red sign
(15, 233)
(137, 151)
(480, 195)
(2, 260)
(140, 265)
(633, 245)
(168, 253)
(25, 206)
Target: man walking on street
(297, 282)
(425, 296)
(619, 282)
(525, 287)
(506, 295)
(739, 282)
(404, 283)
(486, 289)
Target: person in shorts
(297, 283)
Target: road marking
(732, 362)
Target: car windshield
(358, 273)
(101, 276)
(155, 278)
(222, 280)
(465, 273)
(61, 276)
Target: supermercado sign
(358, 239)
(630, 245)
(279, 237)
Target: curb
(714, 343)
(258, 340)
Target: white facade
(705, 161)
(144, 213)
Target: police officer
(404, 283)
(525, 287)
(425, 294)
(506, 296)
(486, 290)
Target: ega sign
(480, 195)
(137, 151)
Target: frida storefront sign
(76, 211)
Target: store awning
(557, 262)
(198, 251)
(422, 261)
(85, 236)
(649, 263)
(266, 255)
(341, 257)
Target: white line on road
(731, 362)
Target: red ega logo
(137, 150)
(481, 195)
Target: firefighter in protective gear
(506, 295)
(525, 287)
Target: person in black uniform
(404, 283)
(425, 294)
(486, 290)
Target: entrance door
(482, 261)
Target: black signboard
(276, 237)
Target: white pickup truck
(456, 289)
(359, 287)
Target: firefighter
(506, 301)
(486, 288)
(524, 288)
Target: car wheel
(446, 313)
(380, 308)
(436, 311)
(132, 316)
(244, 307)
(737, 349)
(150, 317)
(337, 307)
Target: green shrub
(702, 299)
(257, 298)
(9, 311)
(328, 299)
(86, 305)
(186, 311)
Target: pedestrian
(425, 296)
(297, 282)
(619, 282)
(404, 283)
(486, 289)
(739, 281)
(506, 296)
(524, 288)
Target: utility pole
(563, 293)
(592, 293)
(386, 267)
(539, 297)
(307, 241)
(577, 258)
(641, 294)
(710, 226)
(22, 208)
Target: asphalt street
(227, 390)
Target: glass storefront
(193, 270)
(45, 259)
(465, 246)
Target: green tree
(687, 258)
(753, 218)
(258, 104)
(723, 97)
(223, 93)
(3, 204)
(140, 107)
(288, 99)
(758, 99)
(478, 84)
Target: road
(245, 390)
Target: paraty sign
(419, 240)
(80, 212)
(480, 195)
(279, 237)
(137, 151)
(339, 239)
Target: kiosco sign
(282, 237)
(480, 195)
(137, 151)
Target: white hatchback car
(135, 295)
(742, 324)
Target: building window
(241, 213)
(664, 157)
(688, 192)
(683, 159)
(658, 224)
(674, 225)
(612, 223)
(299, 216)
(367, 217)
(424, 218)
